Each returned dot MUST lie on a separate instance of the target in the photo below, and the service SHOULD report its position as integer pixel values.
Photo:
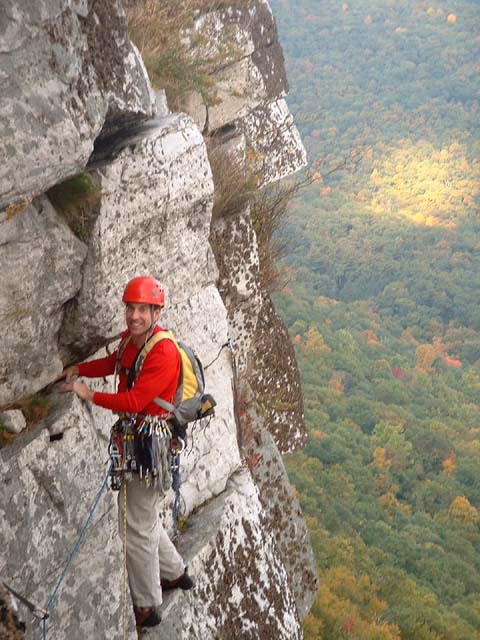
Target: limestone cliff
(77, 102)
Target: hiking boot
(146, 617)
(182, 582)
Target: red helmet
(145, 290)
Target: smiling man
(141, 443)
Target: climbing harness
(44, 614)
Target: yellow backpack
(190, 402)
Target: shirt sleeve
(158, 377)
(98, 368)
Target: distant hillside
(383, 305)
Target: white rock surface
(13, 421)
(153, 218)
(237, 257)
(48, 490)
(251, 85)
(284, 520)
(274, 139)
(40, 260)
(242, 588)
(68, 71)
(242, 43)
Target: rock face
(241, 589)
(68, 72)
(156, 197)
(43, 511)
(40, 261)
(64, 269)
(252, 72)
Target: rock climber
(153, 562)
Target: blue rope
(74, 551)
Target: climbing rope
(124, 594)
(227, 344)
(176, 484)
(75, 549)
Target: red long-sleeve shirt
(158, 377)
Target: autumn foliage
(383, 309)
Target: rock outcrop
(69, 73)
(41, 263)
(76, 101)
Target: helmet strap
(153, 323)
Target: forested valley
(382, 303)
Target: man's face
(139, 317)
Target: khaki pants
(150, 552)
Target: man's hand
(79, 388)
(68, 373)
